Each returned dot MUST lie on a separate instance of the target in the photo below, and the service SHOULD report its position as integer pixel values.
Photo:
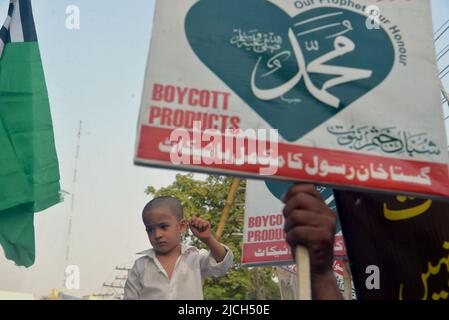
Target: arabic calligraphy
(262, 43)
(220, 153)
(432, 270)
(275, 62)
(312, 45)
(272, 251)
(256, 41)
(347, 27)
(291, 100)
(362, 173)
(314, 166)
(387, 140)
(408, 213)
(342, 46)
(345, 23)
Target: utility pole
(72, 201)
(118, 284)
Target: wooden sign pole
(303, 272)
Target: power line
(443, 71)
(441, 27)
(444, 75)
(441, 54)
(447, 67)
(441, 34)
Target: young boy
(172, 270)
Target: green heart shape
(257, 50)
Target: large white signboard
(351, 89)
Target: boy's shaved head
(167, 202)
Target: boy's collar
(152, 254)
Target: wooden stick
(303, 271)
(347, 281)
(225, 213)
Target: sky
(95, 74)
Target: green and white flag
(29, 169)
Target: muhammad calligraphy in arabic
(261, 43)
(342, 46)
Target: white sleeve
(210, 267)
(133, 285)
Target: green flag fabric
(29, 169)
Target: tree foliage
(206, 199)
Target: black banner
(398, 246)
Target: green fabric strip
(25, 114)
(17, 234)
(29, 169)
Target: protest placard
(263, 235)
(342, 93)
